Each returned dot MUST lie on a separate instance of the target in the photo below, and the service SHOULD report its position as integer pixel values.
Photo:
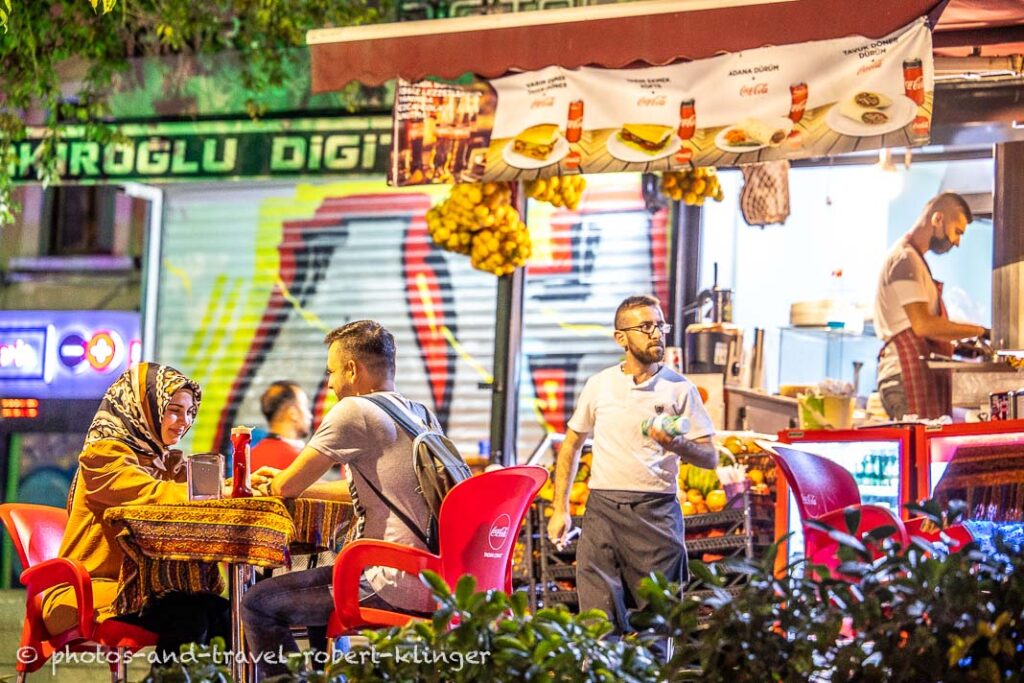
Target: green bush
(508, 642)
(911, 614)
(915, 614)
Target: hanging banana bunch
(478, 220)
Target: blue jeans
(273, 606)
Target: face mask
(940, 245)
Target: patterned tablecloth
(177, 547)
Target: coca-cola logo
(655, 101)
(756, 89)
(542, 102)
(915, 84)
(498, 534)
(688, 122)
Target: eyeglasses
(648, 328)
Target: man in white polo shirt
(633, 524)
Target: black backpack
(436, 461)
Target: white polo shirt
(613, 407)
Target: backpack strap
(398, 513)
(398, 414)
(402, 418)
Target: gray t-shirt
(357, 433)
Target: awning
(618, 35)
(995, 27)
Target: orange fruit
(689, 508)
(579, 492)
(756, 476)
(716, 500)
(734, 444)
(694, 496)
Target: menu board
(805, 100)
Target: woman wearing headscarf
(127, 460)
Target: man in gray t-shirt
(378, 458)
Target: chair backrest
(35, 530)
(480, 520)
(819, 484)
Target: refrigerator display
(880, 460)
(984, 462)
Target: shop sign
(812, 99)
(22, 353)
(205, 150)
(19, 408)
(65, 354)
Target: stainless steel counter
(973, 382)
(765, 413)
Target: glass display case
(808, 355)
(879, 458)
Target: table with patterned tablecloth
(177, 547)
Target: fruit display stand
(715, 528)
(525, 558)
(556, 567)
(734, 532)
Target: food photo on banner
(773, 103)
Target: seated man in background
(286, 407)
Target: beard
(940, 245)
(652, 353)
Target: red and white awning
(654, 32)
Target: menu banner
(812, 99)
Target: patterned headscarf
(134, 405)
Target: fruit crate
(557, 567)
(526, 558)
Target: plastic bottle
(241, 437)
(837, 312)
(673, 425)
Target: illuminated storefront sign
(196, 150)
(13, 408)
(22, 353)
(65, 354)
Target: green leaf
(700, 571)
(436, 584)
(464, 589)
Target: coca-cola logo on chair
(498, 535)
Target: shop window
(91, 220)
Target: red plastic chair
(36, 532)
(825, 491)
(478, 526)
